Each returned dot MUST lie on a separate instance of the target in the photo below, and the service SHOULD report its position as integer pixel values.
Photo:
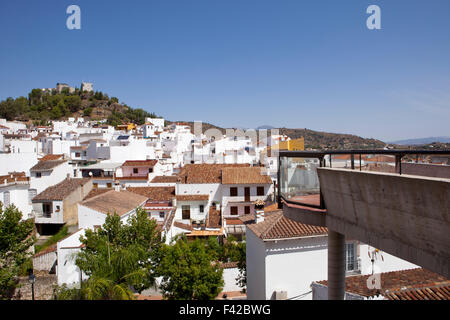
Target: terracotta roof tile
(119, 202)
(205, 173)
(249, 175)
(397, 282)
(96, 191)
(155, 193)
(51, 157)
(139, 163)
(46, 165)
(277, 226)
(165, 179)
(427, 293)
(61, 190)
(192, 197)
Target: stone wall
(43, 288)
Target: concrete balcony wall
(404, 215)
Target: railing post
(278, 192)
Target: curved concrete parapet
(404, 215)
(302, 214)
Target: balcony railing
(298, 181)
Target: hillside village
(73, 173)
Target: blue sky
(286, 63)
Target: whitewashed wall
(66, 270)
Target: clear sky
(286, 63)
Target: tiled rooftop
(396, 284)
(155, 193)
(61, 190)
(193, 197)
(46, 165)
(119, 202)
(139, 163)
(205, 173)
(277, 226)
(244, 175)
(165, 179)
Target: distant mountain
(421, 141)
(315, 139)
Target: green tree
(87, 112)
(15, 241)
(35, 97)
(118, 258)
(188, 272)
(56, 113)
(73, 103)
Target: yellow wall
(292, 145)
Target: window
(234, 211)
(47, 209)
(259, 191)
(150, 170)
(109, 185)
(202, 208)
(77, 155)
(233, 192)
(38, 174)
(135, 170)
(95, 185)
(6, 199)
(247, 209)
(185, 212)
(350, 253)
(162, 214)
(31, 194)
(58, 208)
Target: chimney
(259, 216)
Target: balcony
(299, 182)
(47, 217)
(373, 196)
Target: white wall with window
(17, 195)
(191, 210)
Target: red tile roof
(96, 191)
(164, 179)
(61, 190)
(155, 193)
(426, 293)
(51, 157)
(192, 197)
(395, 282)
(112, 201)
(205, 173)
(277, 226)
(245, 175)
(139, 163)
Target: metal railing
(297, 179)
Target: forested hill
(41, 106)
(316, 139)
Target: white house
(15, 190)
(48, 173)
(93, 211)
(57, 204)
(285, 257)
(66, 269)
